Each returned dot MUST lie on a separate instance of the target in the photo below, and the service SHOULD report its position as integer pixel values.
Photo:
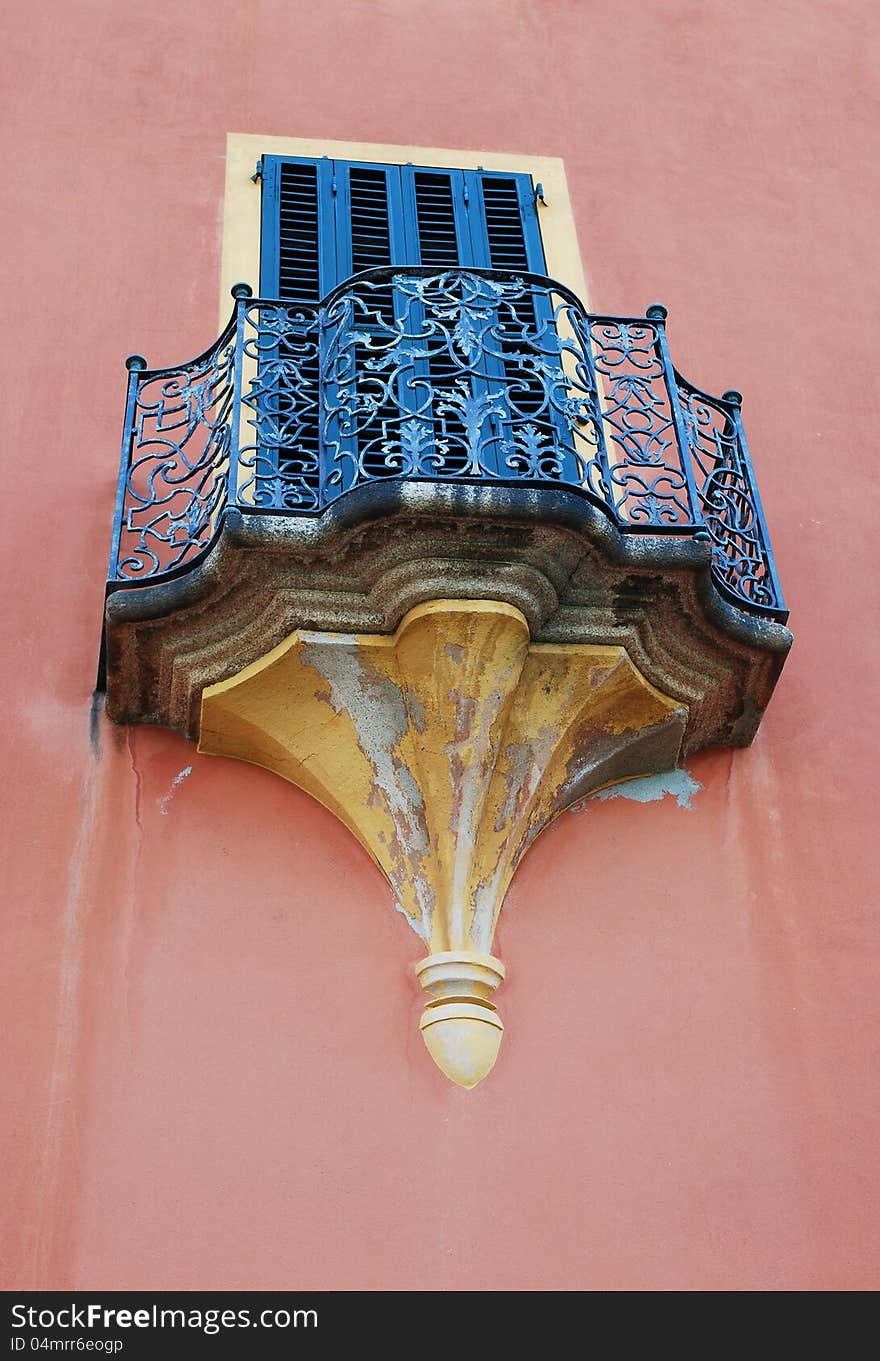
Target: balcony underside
(385, 547)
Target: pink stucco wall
(212, 1070)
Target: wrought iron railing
(454, 376)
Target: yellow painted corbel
(446, 748)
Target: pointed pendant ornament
(446, 748)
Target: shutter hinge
(258, 173)
(334, 187)
(539, 195)
(467, 197)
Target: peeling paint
(650, 789)
(175, 785)
(422, 929)
(381, 725)
(470, 790)
(415, 708)
(448, 747)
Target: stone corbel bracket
(446, 668)
(446, 748)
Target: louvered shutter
(326, 220)
(369, 234)
(296, 264)
(486, 220)
(369, 218)
(513, 242)
(297, 247)
(506, 219)
(437, 209)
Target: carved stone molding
(446, 748)
(569, 573)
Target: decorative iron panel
(279, 458)
(175, 463)
(730, 507)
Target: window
(243, 199)
(325, 220)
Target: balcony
(410, 397)
(449, 554)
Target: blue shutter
(323, 221)
(438, 229)
(297, 245)
(505, 221)
(437, 208)
(486, 220)
(507, 217)
(297, 250)
(369, 218)
(370, 234)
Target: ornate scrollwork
(461, 378)
(726, 497)
(453, 375)
(279, 469)
(646, 480)
(175, 483)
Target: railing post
(242, 293)
(733, 399)
(135, 363)
(657, 314)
